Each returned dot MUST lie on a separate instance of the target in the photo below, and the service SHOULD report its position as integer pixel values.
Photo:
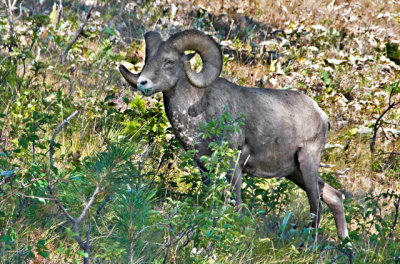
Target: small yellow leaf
(353, 131)
(301, 60)
(272, 67)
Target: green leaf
(33, 138)
(6, 239)
(285, 221)
(31, 255)
(138, 103)
(70, 233)
(154, 128)
(393, 52)
(394, 88)
(109, 32)
(23, 142)
(326, 78)
(109, 97)
(42, 200)
(83, 254)
(61, 247)
(44, 253)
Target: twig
(51, 150)
(390, 153)
(10, 7)
(341, 172)
(33, 151)
(21, 208)
(76, 36)
(60, 11)
(20, 11)
(378, 123)
(322, 165)
(396, 216)
(36, 197)
(60, 205)
(5, 58)
(103, 204)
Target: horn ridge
(208, 50)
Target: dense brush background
(117, 164)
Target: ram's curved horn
(130, 77)
(209, 52)
(153, 40)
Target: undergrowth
(120, 188)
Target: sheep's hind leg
(307, 179)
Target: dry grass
(380, 16)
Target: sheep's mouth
(144, 90)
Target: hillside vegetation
(90, 171)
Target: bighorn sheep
(284, 131)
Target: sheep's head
(166, 61)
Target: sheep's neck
(181, 104)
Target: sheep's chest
(184, 123)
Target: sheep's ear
(189, 56)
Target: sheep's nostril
(143, 82)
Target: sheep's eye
(169, 62)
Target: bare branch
(78, 237)
(88, 205)
(76, 36)
(85, 245)
(396, 216)
(378, 122)
(55, 134)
